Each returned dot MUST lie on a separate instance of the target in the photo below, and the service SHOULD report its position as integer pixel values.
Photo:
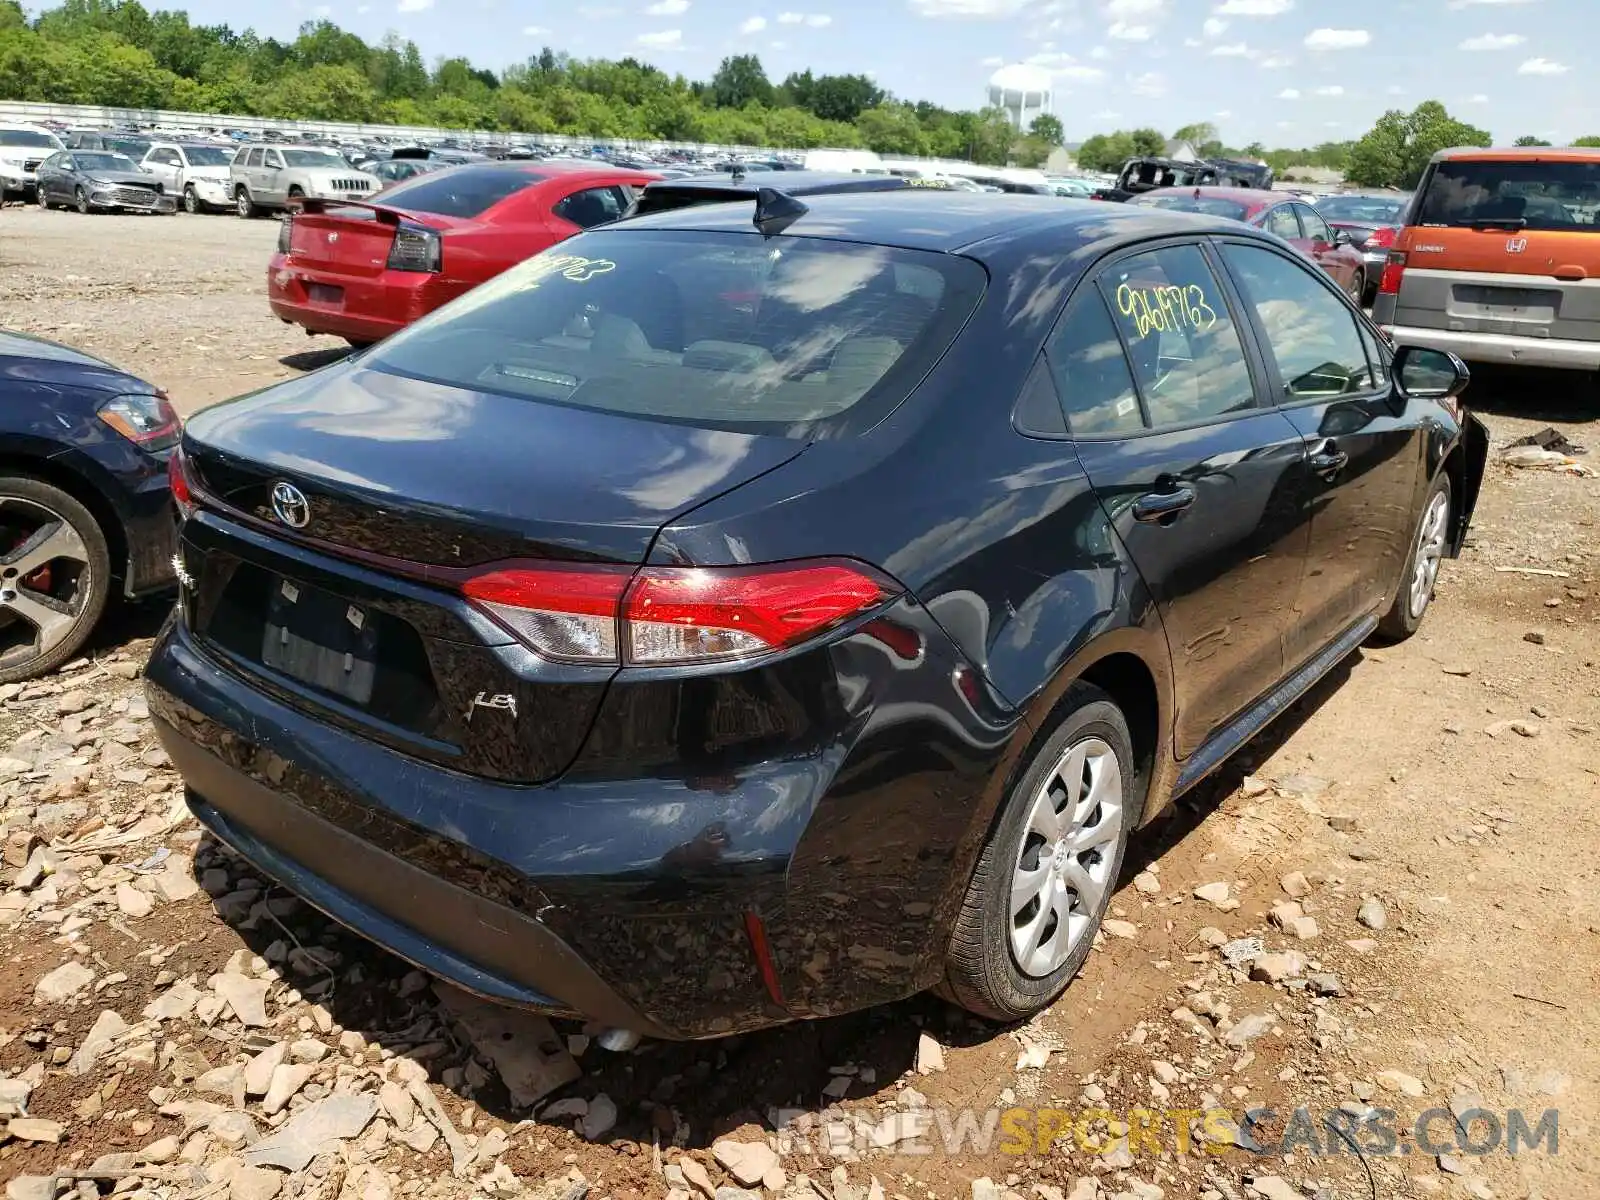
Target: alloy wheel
(1430, 551)
(1063, 869)
(191, 200)
(246, 208)
(43, 198)
(83, 200)
(44, 580)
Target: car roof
(793, 183)
(1253, 200)
(1520, 153)
(948, 221)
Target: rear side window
(1091, 373)
(1519, 193)
(717, 330)
(1187, 358)
(593, 206)
(460, 191)
(1281, 221)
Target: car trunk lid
(349, 238)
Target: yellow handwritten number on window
(1166, 309)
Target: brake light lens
(285, 233)
(416, 249)
(148, 421)
(1382, 239)
(671, 616)
(178, 479)
(1393, 270)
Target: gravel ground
(172, 1026)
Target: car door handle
(1329, 461)
(1159, 508)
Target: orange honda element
(1499, 260)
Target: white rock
(107, 1028)
(600, 1119)
(1399, 1081)
(287, 1080)
(254, 1183)
(1126, 930)
(1270, 1187)
(1248, 1029)
(63, 983)
(1219, 894)
(1372, 914)
(258, 1072)
(246, 997)
(930, 1055)
(748, 1162)
(133, 902)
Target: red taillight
(1382, 239)
(673, 615)
(1393, 270)
(178, 479)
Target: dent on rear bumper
(623, 901)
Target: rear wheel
(191, 200)
(1045, 876)
(1422, 567)
(246, 206)
(43, 198)
(55, 577)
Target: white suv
(22, 149)
(196, 172)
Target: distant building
(1022, 93)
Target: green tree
(1197, 135)
(891, 129)
(1529, 140)
(11, 15)
(1396, 150)
(1046, 127)
(1148, 141)
(739, 81)
(1106, 151)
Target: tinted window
(1314, 226)
(1212, 206)
(1091, 371)
(1365, 210)
(460, 191)
(1187, 357)
(593, 206)
(208, 156)
(92, 160)
(718, 330)
(1310, 330)
(1541, 195)
(274, 160)
(325, 159)
(1281, 221)
(27, 137)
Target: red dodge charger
(361, 271)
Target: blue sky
(1285, 72)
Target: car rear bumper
(363, 308)
(1501, 347)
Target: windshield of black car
(208, 156)
(716, 330)
(90, 160)
(461, 191)
(1520, 193)
(313, 158)
(27, 137)
(1367, 210)
(1212, 206)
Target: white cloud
(1276, 62)
(1333, 89)
(1492, 41)
(322, 10)
(1479, 98)
(1471, 3)
(814, 20)
(1394, 89)
(777, 44)
(757, 24)
(667, 8)
(1289, 94)
(1255, 8)
(1100, 52)
(1214, 27)
(1337, 39)
(1222, 114)
(1542, 66)
(1121, 31)
(968, 8)
(1151, 83)
(1106, 114)
(534, 31)
(413, 5)
(1078, 73)
(1232, 50)
(663, 40)
(1125, 10)
(819, 20)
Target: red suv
(362, 270)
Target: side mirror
(1425, 374)
(1343, 237)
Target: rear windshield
(1212, 206)
(461, 191)
(1527, 195)
(1367, 210)
(716, 330)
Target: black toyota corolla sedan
(763, 610)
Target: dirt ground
(1446, 790)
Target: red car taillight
(669, 616)
(1393, 270)
(178, 478)
(1381, 239)
(416, 249)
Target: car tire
(43, 199)
(1358, 288)
(82, 199)
(191, 200)
(1421, 573)
(296, 195)
(244, 205)
(1022, 891)
(64, 613)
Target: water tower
(1021, 92)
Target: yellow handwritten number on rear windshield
(1166, 309)
(571, 266)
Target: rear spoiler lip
(316, 206)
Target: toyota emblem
(289, 505)
(1516, 245)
